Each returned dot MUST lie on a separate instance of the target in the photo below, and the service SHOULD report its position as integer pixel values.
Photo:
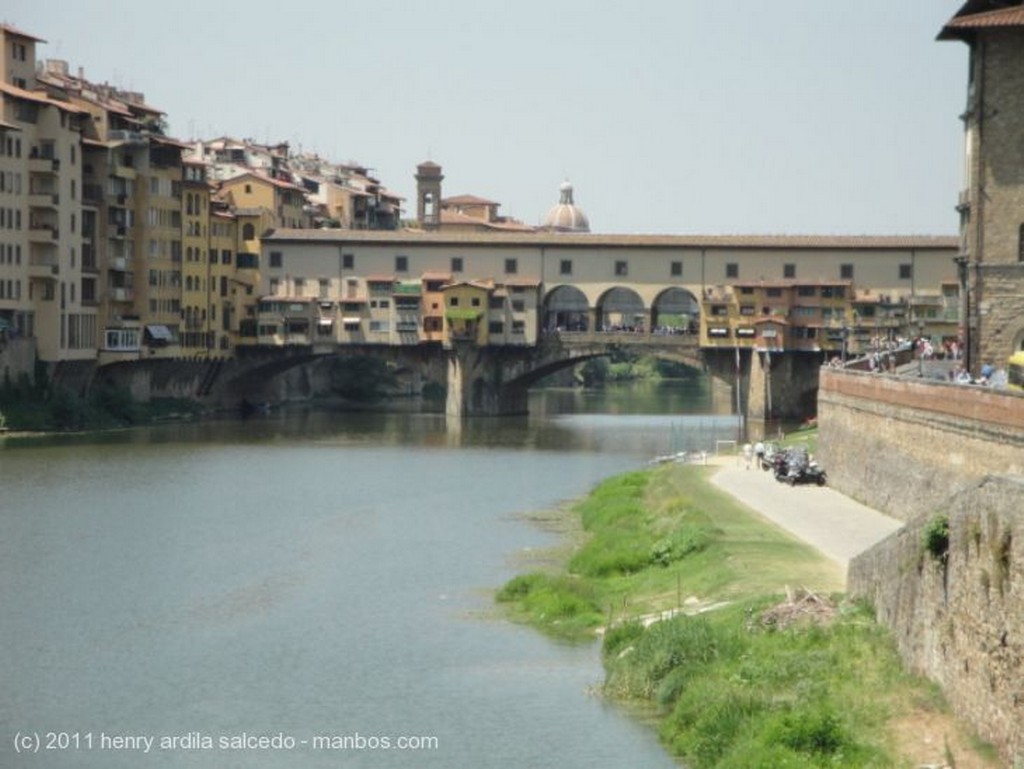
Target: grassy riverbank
(740, 677)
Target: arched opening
(566, 309)
(621, 309)
(248, 231)
(675, 311)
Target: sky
(824, 117)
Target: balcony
(963, 200)
(44, 200)
(43, 265)
(121, 294)
(42, 233)
(123, 172)
(42, 165)
(120, 263)
(116, 231)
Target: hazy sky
(668, 116)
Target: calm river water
(268, 593)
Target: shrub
(936, 538)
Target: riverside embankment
(733, 686)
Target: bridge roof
(568, 240)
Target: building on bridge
(803, 293)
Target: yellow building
(465, 311)
(251, 223)
(46, 293)
(197, 337)
(285, 201)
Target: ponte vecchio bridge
(508, 308)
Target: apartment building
(41, 213)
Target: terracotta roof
(39, 97)
(11, 30)
(160, 139)
(380, 278)
(524, 282)
(966, 22)
(590, 240)
(8, 126)
(263, 178)
(467, 200)
(436, 276)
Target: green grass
(730, 692)
(736, 694)
(652, 539)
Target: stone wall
(924, 451)
(905, 446)
(17, 358)
(960, 621)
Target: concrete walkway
(836, 525)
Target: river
(300, 589)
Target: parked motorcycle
(795, 466)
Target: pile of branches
(802, 606)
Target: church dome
(566, 216)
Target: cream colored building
(41, 214)
(646, 284)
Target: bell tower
(428, 195)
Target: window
(496, 327)
(676, 269)
(565, 267)
(1020, 245)
(475, 301)
(248, 189)
(511, 266)
(453, 302)
(906, 271)
(348, 261)
(401, 264)
(324, 287)
(773, 292)
(789, 270)
(732, 270)
(518, 305)
(621, 269)
(846, 272)
(276, 259)
(456, 264)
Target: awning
(351, 321)
(160, 333)
(459, 314)
(325, 322)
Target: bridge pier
(481, 382)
